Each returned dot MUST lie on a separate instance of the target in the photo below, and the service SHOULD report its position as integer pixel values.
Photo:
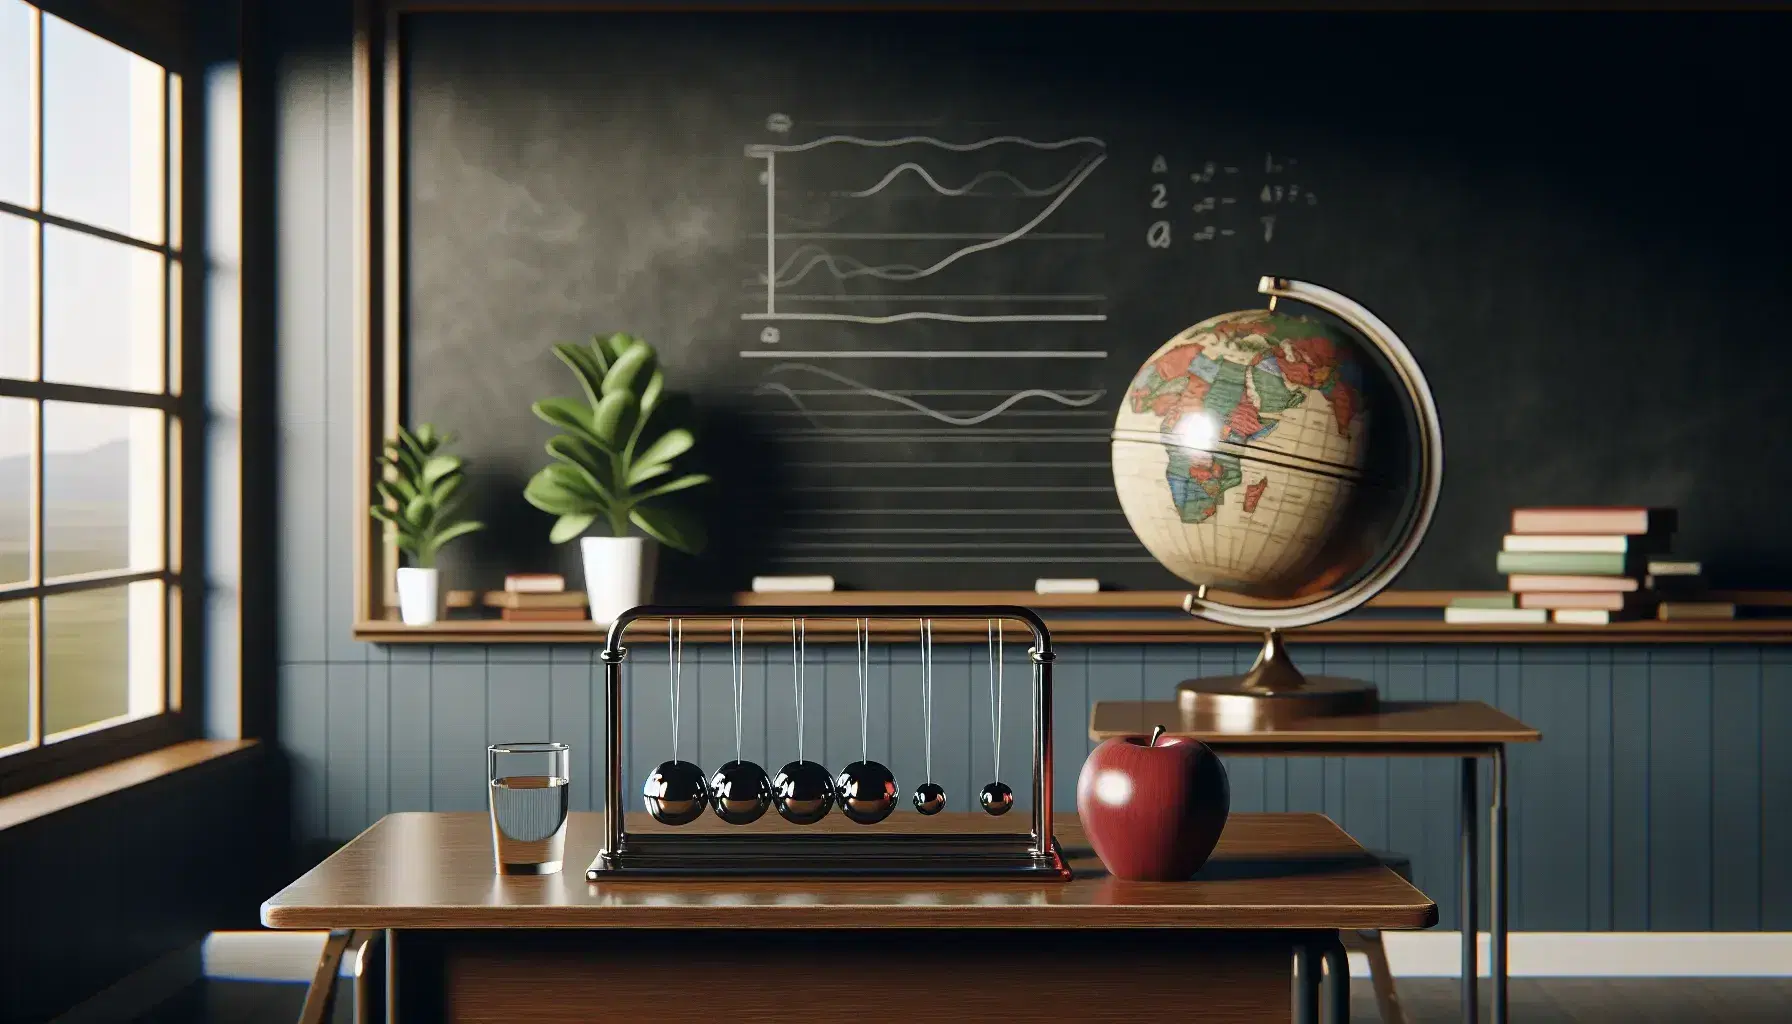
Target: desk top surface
(434, 870)
(1397, 723)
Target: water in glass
(529, 797)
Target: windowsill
(74, 790)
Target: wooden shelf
(1090, 629)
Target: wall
(1645, 808)
(105, 888)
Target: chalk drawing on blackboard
(1079, 400)
(818, 270)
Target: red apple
(1153, 808)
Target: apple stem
(1155, 733)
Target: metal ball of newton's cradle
(803, 792)
(997, 798)
(930, 798)
(740, 792)
(867, 792)
(676, 793)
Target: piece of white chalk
(792, 584)
(1066, 586)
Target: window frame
(180, 403)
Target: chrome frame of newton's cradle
(869, 852)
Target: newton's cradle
(803, 792)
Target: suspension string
(796, 685)
(927, 690)
(675, 674)
(737, 667)
(993, 634)
(862, 643)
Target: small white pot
(420, 596)
(618, 574)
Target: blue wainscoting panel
(1680, 744)
(345, 709)
(1599, 788)
(1735, 693)
(1632, 765)
(575, 717)
(1773, 739)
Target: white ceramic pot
(618, 574)
(420, 596)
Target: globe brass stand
(1273, 694)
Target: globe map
(1238, 446)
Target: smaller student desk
(466, 944)
(1468, 730)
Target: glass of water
(529, 791)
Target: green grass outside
(85, 645)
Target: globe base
(1273, 694)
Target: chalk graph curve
(1021, 187)
(907, 140)
(904, 272)
(969, 420)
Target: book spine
(792, 584)
(1569, 563)
(1664, 567)
(1485, 601)
(1581, 520)
(1609, 543)
(1547, 583)
(1495, 616)
(1684, 611)
(1580, 617)
(543, 614)
(1567, 599)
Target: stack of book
(537, 597)
(1679, 590)
(1590, 567)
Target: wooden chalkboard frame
(1109, 617)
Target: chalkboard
(976, 226)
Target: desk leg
(1337, 984)
(391, 976)
(1471, 968)
(1496, 897)
(1306, 983)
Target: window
(90, 404)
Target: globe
(1288, 464)
(1239, 446)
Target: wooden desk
(1468, 730)
(1216, 948)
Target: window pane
(102, 488)
(102, 312)
(102, 655)
(16, 102)
(18, 297)
(102, 132)
(17, 426)
(15, 672)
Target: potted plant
(612, 469)
(420, 489)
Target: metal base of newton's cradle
(869, 854)
(907, 855)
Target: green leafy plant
(613, 461)
(422, 488)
